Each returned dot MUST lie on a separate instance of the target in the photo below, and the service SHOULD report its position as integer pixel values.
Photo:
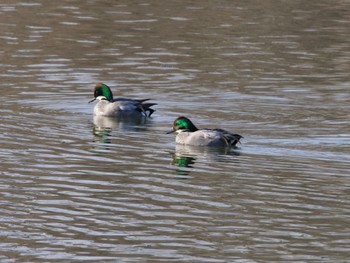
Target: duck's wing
(230, 138)
(139, 105)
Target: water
(77, 188)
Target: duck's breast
(100, 108)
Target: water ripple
(81, 188)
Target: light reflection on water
(77, 187)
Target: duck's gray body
(122, 107)
(207, 137)
(119, 107)
(189, 134)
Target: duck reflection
(102, 134)
(183, 161)
(185, 156)
(103, 126)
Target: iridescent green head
(183, 124)
(101, 89)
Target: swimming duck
(119, 107)
(189, 134)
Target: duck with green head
(119, 107)
(189, 134)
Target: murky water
(79, 188)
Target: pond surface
(78, 188)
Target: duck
(119, 107)
(189, 134)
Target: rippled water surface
(77, 188)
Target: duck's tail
(234, 139)
(146, 108)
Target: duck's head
(101, 89)
(183, 124)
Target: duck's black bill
(170, 131)
(92, 100)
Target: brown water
(75, 188)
